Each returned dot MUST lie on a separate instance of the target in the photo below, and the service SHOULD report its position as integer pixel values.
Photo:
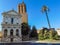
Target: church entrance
(11, 39)
(11, 35)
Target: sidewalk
(34, 42)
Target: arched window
(11, 32)
(17, 32)
(12, 20)
(5, 32)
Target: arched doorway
(11, 32)
(17, 32)
(5, 32)
(11, 39)
(11, 35)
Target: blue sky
(35, 16)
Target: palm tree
(45, 9)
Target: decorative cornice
(11, 24)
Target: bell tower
(22, 11)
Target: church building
(11, 24)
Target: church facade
(11, 24)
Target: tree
(46, 34)
(41, 35)
(53, 34)
(25, 28)
(34, 32)
(45, 9)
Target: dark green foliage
(41, 35)
(52, 34)
(47, 34)
(34, 32)
(25, 28)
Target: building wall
(7, 19)
(24, 18)
(58, 31)
(14, 25)
(14, 30)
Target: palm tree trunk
(48, 20)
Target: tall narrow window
(11, 32)
(12, 20)
(5, 32)
(17, 32)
